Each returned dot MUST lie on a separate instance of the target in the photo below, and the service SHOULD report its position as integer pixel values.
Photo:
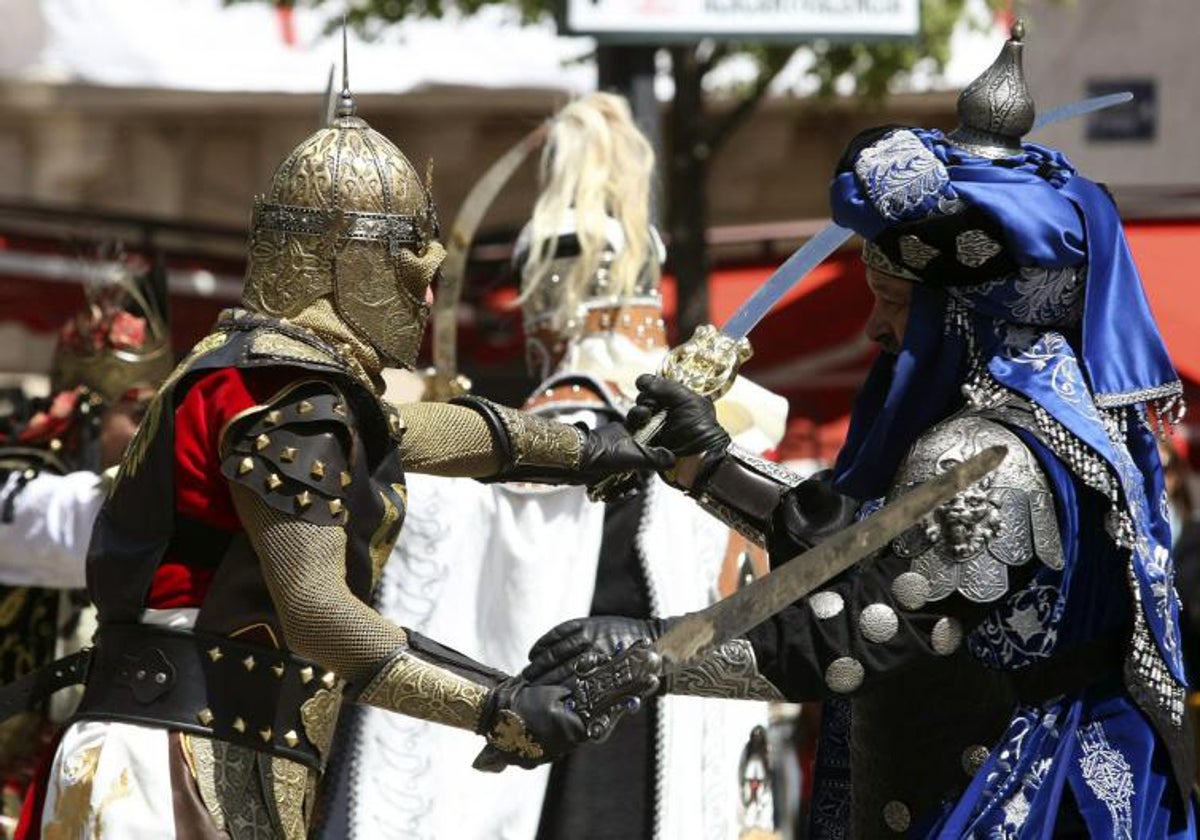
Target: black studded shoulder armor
(295, 452)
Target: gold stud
(265, 734)
(261, 442)
(328, 679)
(246, 465)
(205, 716)
(287, 454)
(239, 724)
(318, 469)
(304, 407)
(272, 418)
(215, 653)
(304, 500)
(339, 409)
(55, 445)
(278, 669)
(335, 507)
(306, 674)
(248, 663)
(273, 481)
(291, 738)
(345, 479)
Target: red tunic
(201, 492)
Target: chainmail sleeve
(305, 570)
(449, 440)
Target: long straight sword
(609, 687)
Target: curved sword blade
(458, 247)
(755, 603)
(1078, 109)
(799, 264)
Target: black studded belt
(257, 697)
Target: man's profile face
(889, 313)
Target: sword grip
(618, 485)
(609, 687)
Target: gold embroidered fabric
(249, 794)
(319, 715)
(419, 689)
(447, 440)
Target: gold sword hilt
(707, 363)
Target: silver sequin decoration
(878, 623)
(896, 815)
(826, 604)
(911, 590)
(947, 635)
(844, 674)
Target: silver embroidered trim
(826, 604)
(874, 257)
(899, 173)
(911, 590)
(844, 674)
(878, 623)
(729, 670)
(967, 544)
(946, 636)
(1108, 776)
(1170, 389)
(395, 228)
(974, 247)
(762, 466)
(735, 519)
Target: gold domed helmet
(347, 218)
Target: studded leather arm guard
(956, 571)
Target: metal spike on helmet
(346, 105)
(995, 111)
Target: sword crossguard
(609, 687)
(707, 363)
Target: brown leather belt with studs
(258, 697)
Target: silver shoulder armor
(1007, 519)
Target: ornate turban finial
(995, 111)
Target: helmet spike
(346, 106)
(995, 111)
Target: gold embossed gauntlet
(532, 448)
(524, 725)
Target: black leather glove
(611, 449)
(691, 426)
(527, 725)
(552, 658)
